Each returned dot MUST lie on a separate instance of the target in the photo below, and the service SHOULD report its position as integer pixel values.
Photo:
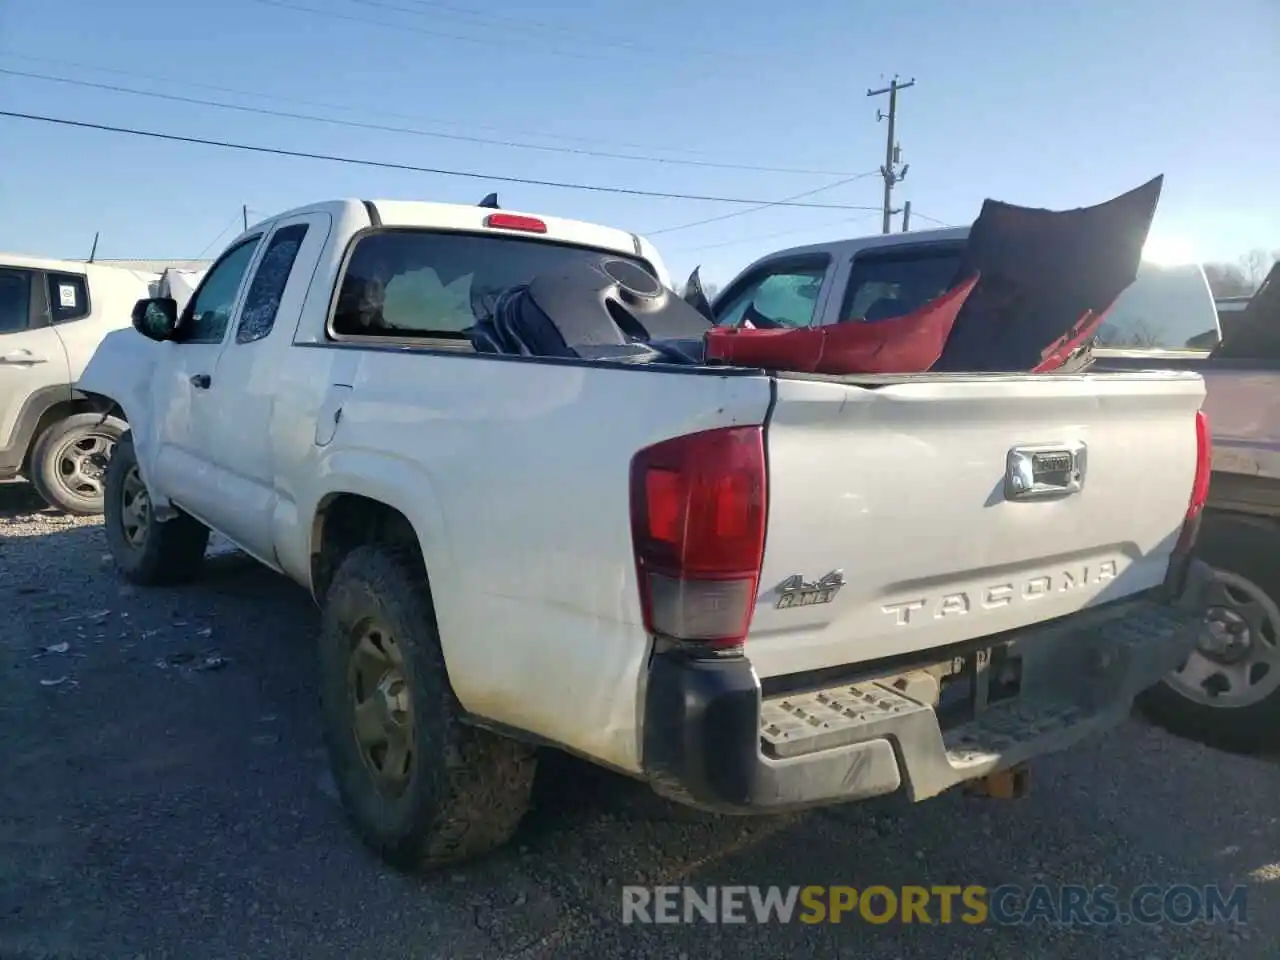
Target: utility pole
(244, 215)
(906, 216)
(892, 152)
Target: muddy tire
(146, 551)
(420, 787)
(68, 462)
(1229, 696)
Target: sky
(1052, 105)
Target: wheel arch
(396, 497)
(50, 405)
(78, 402)
(345, 520)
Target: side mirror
(695, 297)
(156, 318)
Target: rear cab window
(414, 283)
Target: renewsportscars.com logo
(1006, 905)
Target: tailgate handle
(1044, 471)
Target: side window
(883, 286)
(787, 295)
(68, 297)
(207, 315)
(15, 300)
(263, 299)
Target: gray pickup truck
(1228, 691)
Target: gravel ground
(163, 793)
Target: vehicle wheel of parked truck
(1227, 694)
(147, 551)
(69, 461)
(421, 787)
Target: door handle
(200, 381)
(22, 356)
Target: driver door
(184, 467)
(32, 360)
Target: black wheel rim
(381, 705)
(135, 509)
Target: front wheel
(146, 551)
(421, 787)
(1227, 693)
(69, 461)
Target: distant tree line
(1241, 278)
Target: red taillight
(513, 221)
(698, 511)
(1200, 486)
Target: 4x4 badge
(795, 591)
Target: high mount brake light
(513, 221)
(698, 513)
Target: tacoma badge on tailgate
(795, 591)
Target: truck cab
(1167, 309)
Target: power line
(488, 42)
(412, 168)
(771, 236)
(892, 152)
(773, 203)
(328, 105)
(386, 128)
(431, 8)
(209, 246)
(755, 238)
(917, 213)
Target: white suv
(53, 315)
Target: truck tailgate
(903, 489)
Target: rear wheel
(147, 551)
(421, 787)
(1227, 693)
(69, 461)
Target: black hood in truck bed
(1041, 272)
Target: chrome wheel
(1238, 663)
(382, 708)
(135, 509)
(81, 464)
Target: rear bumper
(711, 740)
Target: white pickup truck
(755, 591)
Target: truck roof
(460, 216)
(850, 245)
(877, 240)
